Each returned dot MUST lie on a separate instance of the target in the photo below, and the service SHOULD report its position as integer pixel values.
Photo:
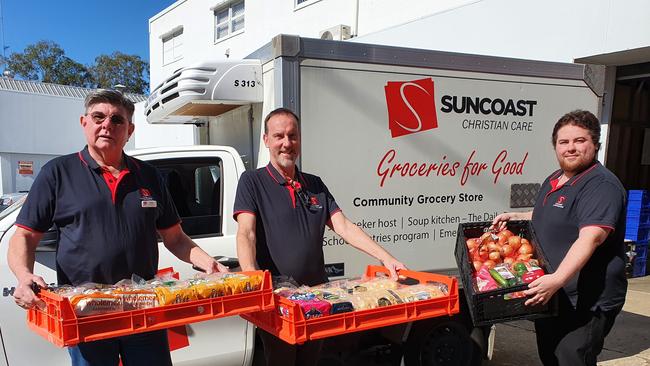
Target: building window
(172, 46)
(228, 20)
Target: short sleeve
(38, 210)
(600, 204)
(332, 206)
(245, 196)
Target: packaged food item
(338, 300)
(236, 283)
(531, 276)
(175, 293)
(386, 297)
(484, 280)
(136, 299)
(380, 283)
(422, 292)
(311, 306)
(207, 289)
(94, 302)
(363, 301)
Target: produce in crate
(502, 260)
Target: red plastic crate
(59, 324)
(293, 328)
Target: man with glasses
(282, 213)
(108, 208)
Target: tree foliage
(46, 61)
(120, 68)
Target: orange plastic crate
(293, 328)
(59, 324)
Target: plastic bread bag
(348, 285)
(283, 281)
(387, 297)
(374, 299)
(137, 298)
(207, 288)
(237, 283)
(175, 293)
(380, 283)
(95, 302)
(423, 291)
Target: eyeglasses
(309, 203)
(99, 118)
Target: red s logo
(411, 106)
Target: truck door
(21, 345)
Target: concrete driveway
(628, 344)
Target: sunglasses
(115, 119)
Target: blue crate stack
(637, 228)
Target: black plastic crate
(490, 307)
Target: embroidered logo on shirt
(147, 199)
(560, 202)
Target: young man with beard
(282, 213)
(579, 219)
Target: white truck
(410, 142)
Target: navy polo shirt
(107, 225)
(594, 197)
(290, 221)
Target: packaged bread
(175, 293)
(235, 283)
(94, 302)
(380, 283)
(137, 298)
(207, 289)
(311, 305)
(422, 292)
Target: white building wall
(35, 128)
(552, 30)
(266, 19)
(39, 124)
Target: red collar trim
(271, 174)
(579, 176)
(81, 157)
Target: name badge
(149, 203)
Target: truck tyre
(444, 344)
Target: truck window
(195, 186)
